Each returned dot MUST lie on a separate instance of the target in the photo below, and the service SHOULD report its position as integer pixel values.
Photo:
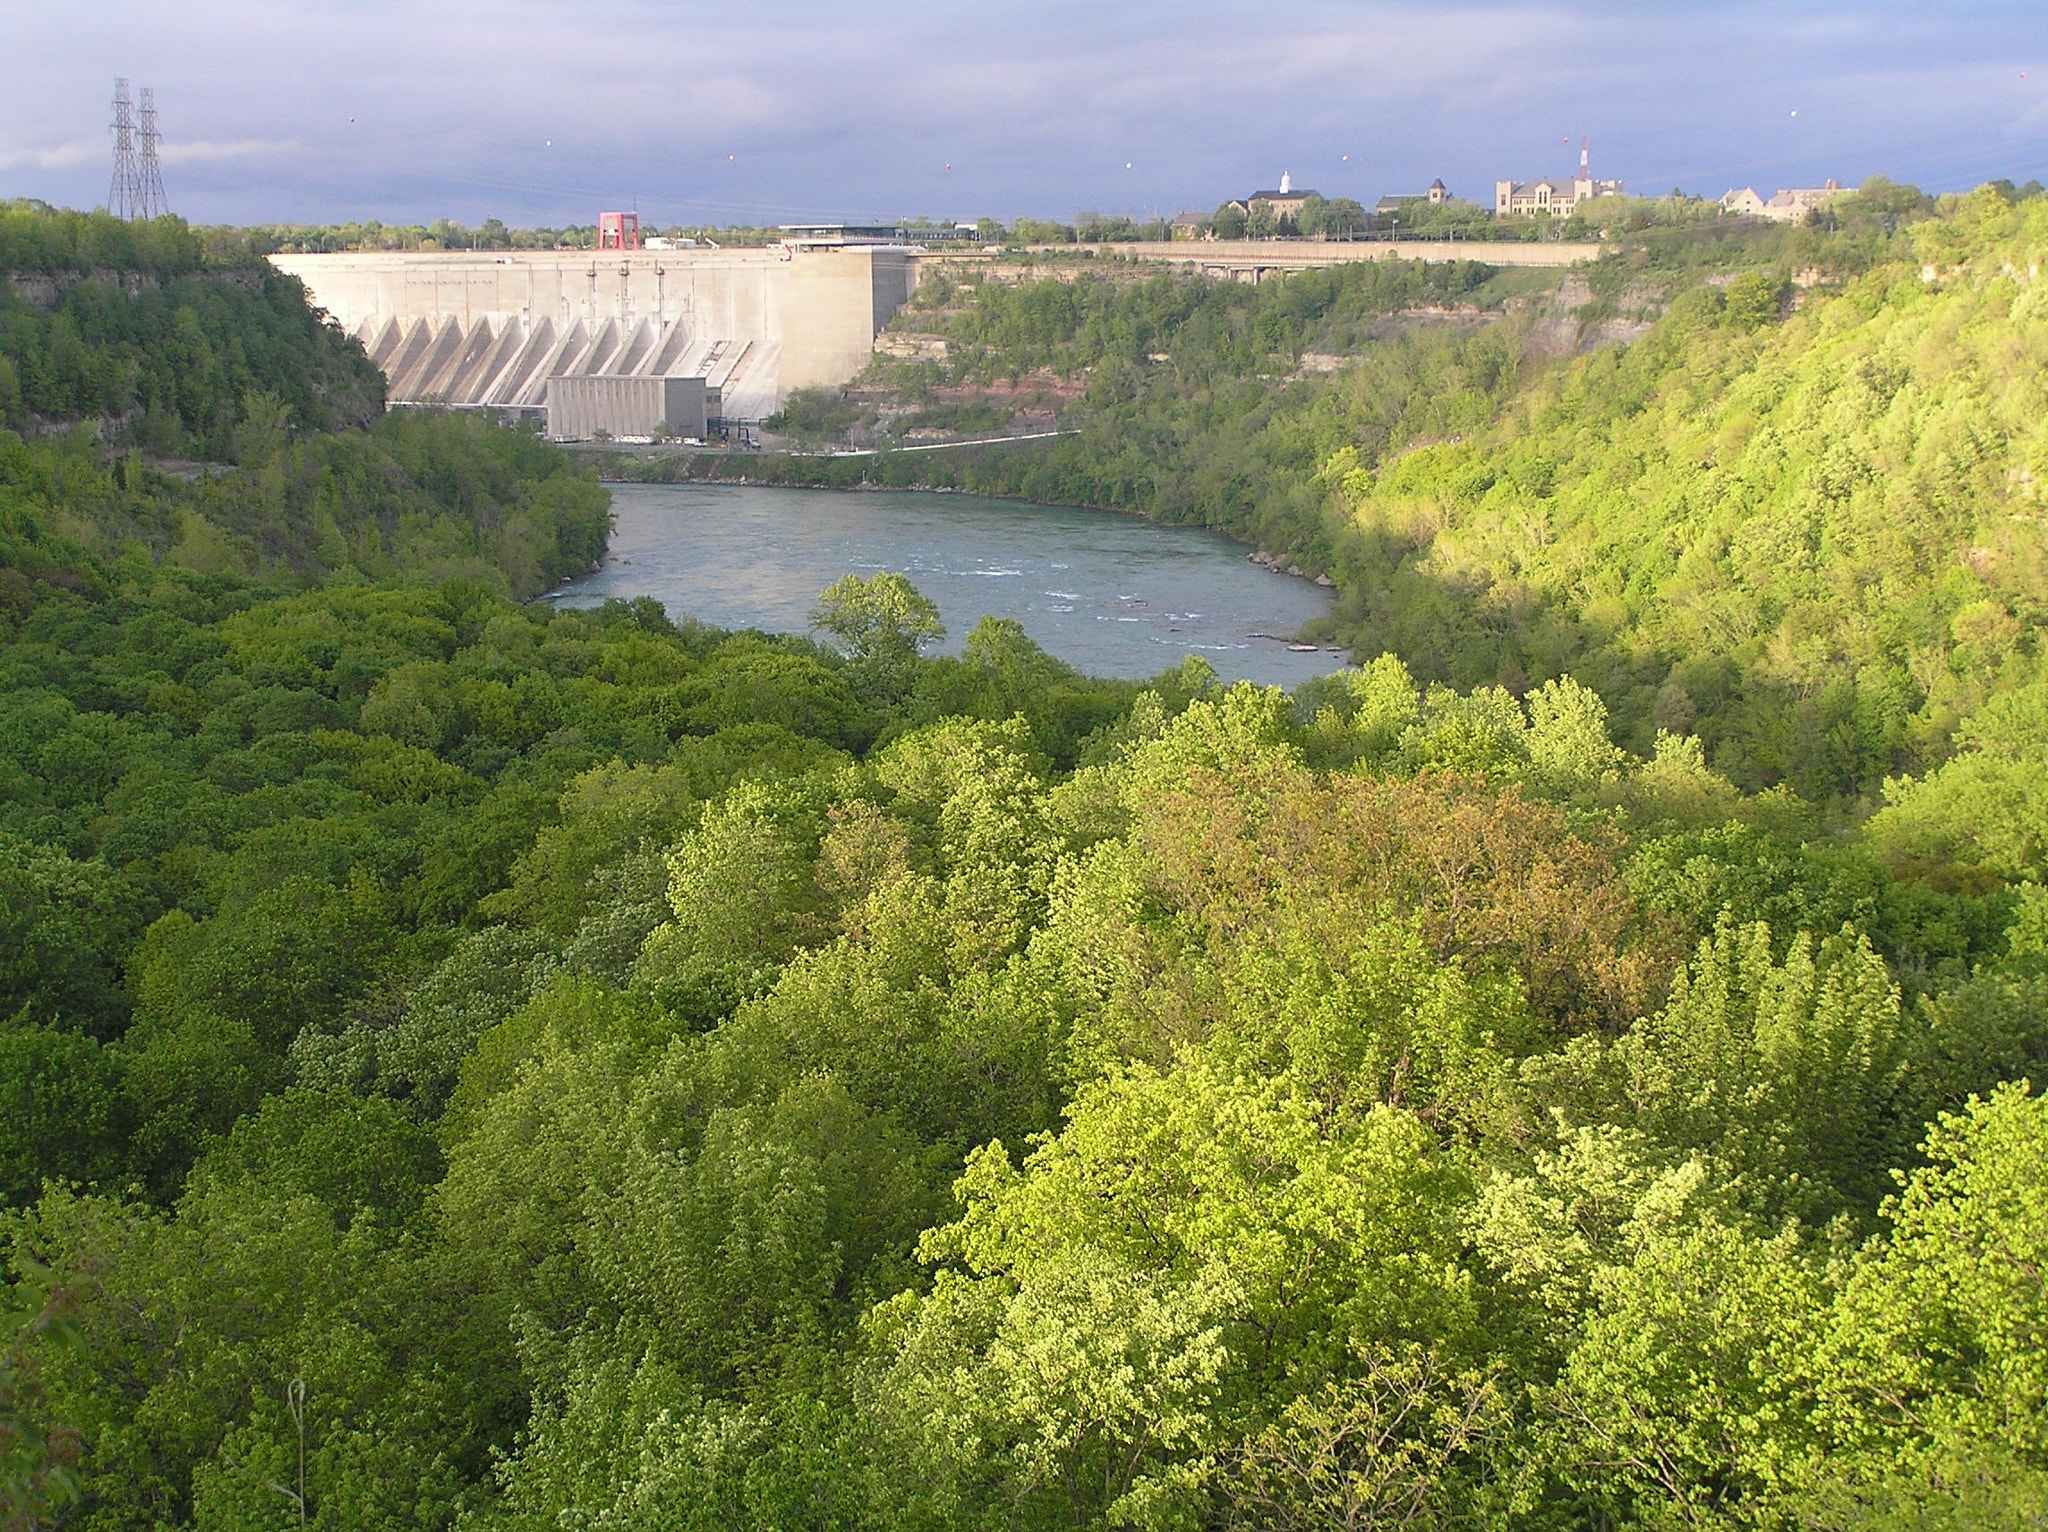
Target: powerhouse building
(622, 407)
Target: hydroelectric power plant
(492, 329)
(489, 329)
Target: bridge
(1246, 260)
(489, 328)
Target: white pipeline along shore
(979, 441)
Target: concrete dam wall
(490, 328)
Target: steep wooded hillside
(121, 346)
(129, 328)
(1807, 525)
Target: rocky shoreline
(1279, 563)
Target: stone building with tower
(1556, 198)
(1437, 196)
(1285, 201)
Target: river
(1111, 595)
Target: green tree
(261, 433)
(1188, 1237)
(1090, 1384)
(63, 1112)
(1343, 216)
(742, 897)
(1567, 739)
(1788, 1073)
(753, 1242)
(881, 618)
(1932, 1391)
(38, 1456)
(1689, 1387)
(1752, 300)
(64, 927)
(1385, 1450)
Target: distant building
(618, 231)
(1438, 195)
(1787, 206)
(828, 234)
(1559, 198)
(841, 234)
(1188, 226)
(1284, 200)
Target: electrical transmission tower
(152, 203)
(121, 196)
(138, 186)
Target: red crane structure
(618, 231)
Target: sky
(549, 111)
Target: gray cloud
(79, 151)
(94, 152)
(544, 110)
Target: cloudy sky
(546, 111)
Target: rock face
(1560, 330)
(45, 290)
(913, 344)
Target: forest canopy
(473, 1065)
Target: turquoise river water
(1111, 595)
